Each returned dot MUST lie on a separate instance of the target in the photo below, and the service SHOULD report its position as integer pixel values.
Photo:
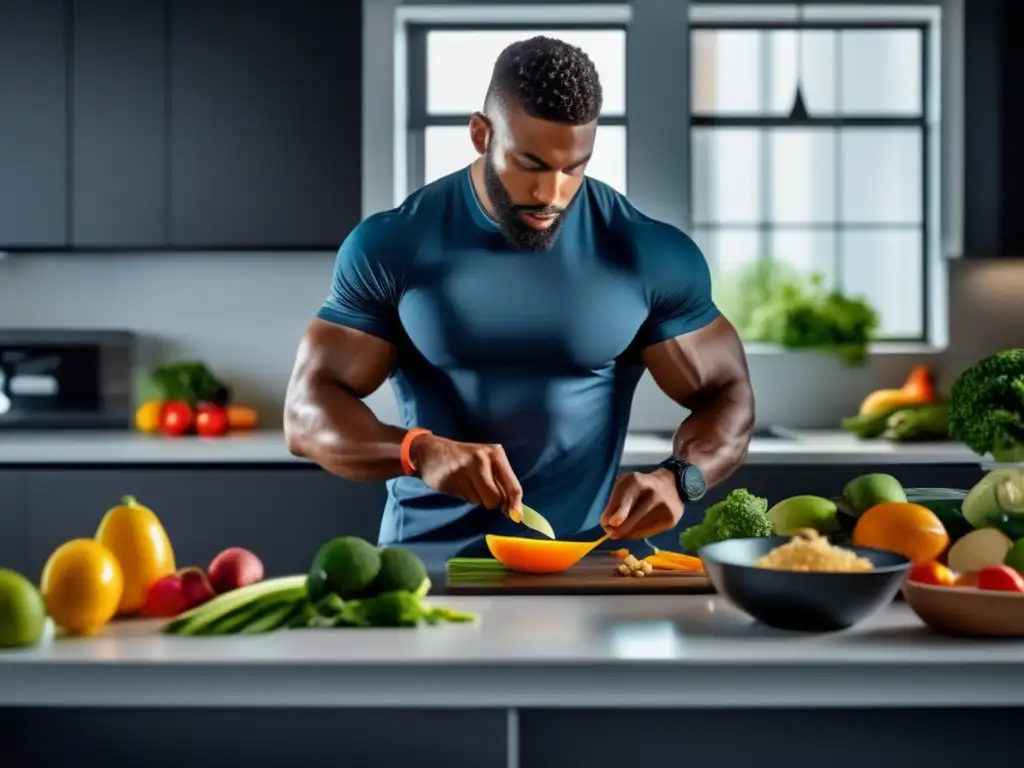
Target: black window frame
(838, 122)
(418, 116)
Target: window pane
(882, 175)
(802, 172)
(728, 252)
(446, 149)
(749, 72)
(886, 267)
(608, 163)
(813, 67)
(881, 72)
(732, 254)
(807, 252)
(727, 175)
(459, 65)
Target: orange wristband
(407, 466)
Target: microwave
(52, 379)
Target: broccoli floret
(390, 609)
(740, 515)
(986, 406)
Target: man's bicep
(357, 361)
(689, 365)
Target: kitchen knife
(535, 520)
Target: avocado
(864, 492)
(400, 571)
(798, 512)
(344, 566)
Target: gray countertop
(268, 447)
(631, 651)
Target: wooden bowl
(966, 611)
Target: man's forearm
(327, 424)
(716, 435)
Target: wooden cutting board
(596, 574)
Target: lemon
(22, 611)
(82, 585)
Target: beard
(508, 215)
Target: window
(839, 187)
(449, 70)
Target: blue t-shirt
(537, 351)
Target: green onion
(475, 568)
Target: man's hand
(642, 505)
(475, 472)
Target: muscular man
(514, 306)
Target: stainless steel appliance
(52, 379)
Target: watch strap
(689, 479)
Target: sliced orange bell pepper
(671, 561)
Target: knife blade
(537, 522)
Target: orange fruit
(908, 529)
(935, 574)
(82, 585)
(140, 544)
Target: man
(514, 306)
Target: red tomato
(211, 421)
(1000, 578)
(175, 418)
(935, 574)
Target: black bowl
(801, 600)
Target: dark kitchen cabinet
(14, 522)
(179, 124)
(993, 153)
(265, 123)
(119, 132)
(33, 124)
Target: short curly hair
(549, 79)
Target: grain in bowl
(811, 552)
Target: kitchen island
(542, 682)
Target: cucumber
(194, 622)
(242, 616)
(271, 619)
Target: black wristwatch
(689, 479)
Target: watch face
(693, 482)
